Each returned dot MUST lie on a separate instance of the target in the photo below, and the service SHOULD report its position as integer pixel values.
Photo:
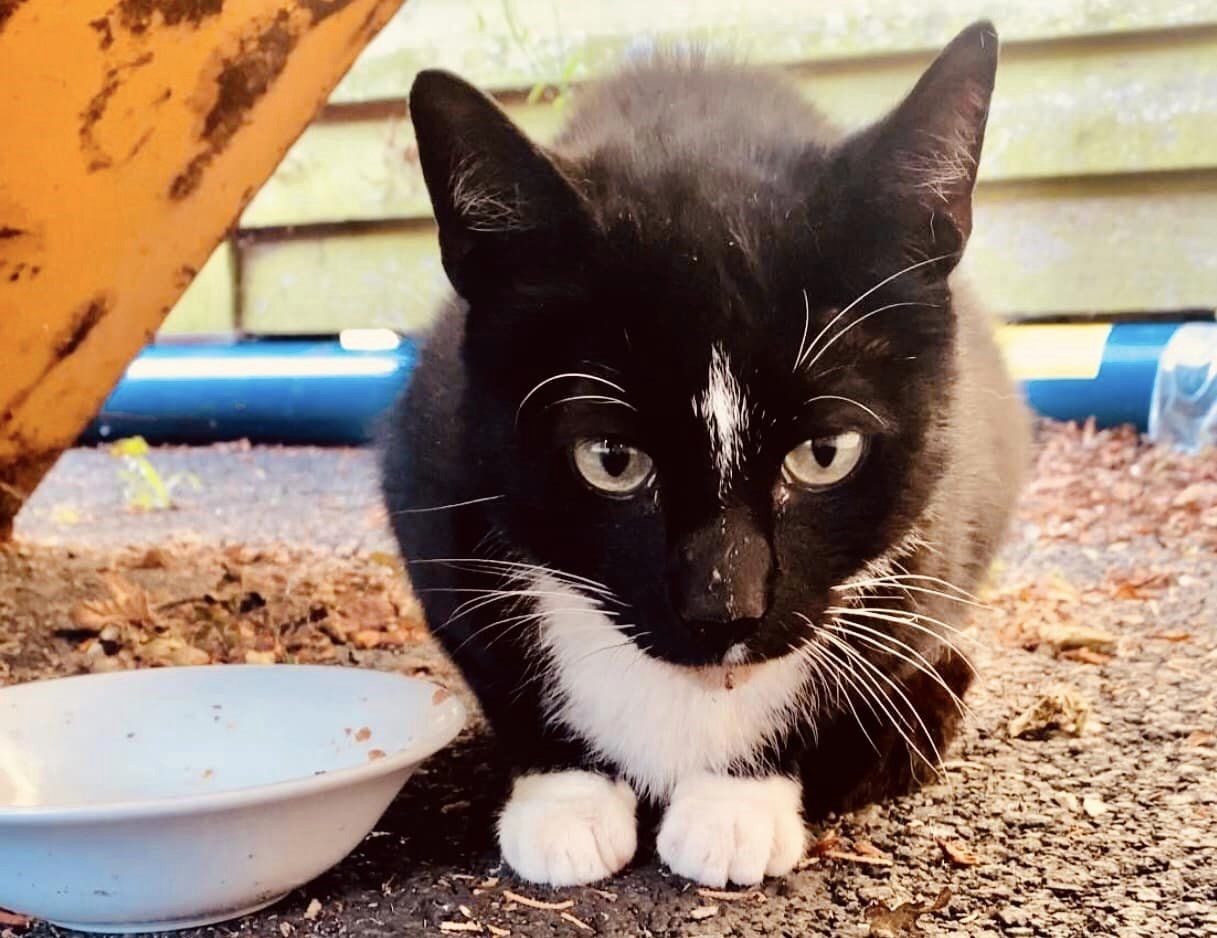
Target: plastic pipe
(1077, 371)
(335, 390)
(301, 391)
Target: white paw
(568, 828)
(719, 828)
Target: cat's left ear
(927, 150)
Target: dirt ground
(1096, 816)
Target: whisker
(806, 328)
(419, 511)
(884, 642)
(471, 564)
(910, 619)
(857, 322)
(919, 576)
(847, 400)
(878, 673)
(566, 374)
(592, 398)
(862, 296)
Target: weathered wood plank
(390, 279)
(1073, 109)
(1122, 244)
(207, 306)
(516, 43)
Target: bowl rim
(451, 720)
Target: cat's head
(709, 344)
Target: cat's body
(654, 586)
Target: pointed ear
(499, 200)
(927, 150)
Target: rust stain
(105, 34)
(83, 322)
(137, 15)
(8, 231)
(17, 480)
(95, 110)
(7, 9)
(320, 10)
(243, 80)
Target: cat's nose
(722, 576)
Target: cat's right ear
(502, 205)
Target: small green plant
(144, 488)
(556, 73)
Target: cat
(705, 455)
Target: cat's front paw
(568, 828)
(719, 828)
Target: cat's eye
(612, 467)
(819, 463)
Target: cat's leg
(569, 827)
(722, 828)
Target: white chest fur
(658, 723)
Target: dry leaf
(538, 903)
(14, 920)
(957, 853)
(1067, 636)
(883, 922)
(577, 922)
(1200, 738)
(1086, 656)
(1060, 709)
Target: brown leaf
(1085, 656)
(1069, 636)
(1200, 738)
(883, 922)
(957, 853)
(14, 920)
(1060, 709)
(368, 638)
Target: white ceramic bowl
(152, 800)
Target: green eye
(612, 467)
(820, 463)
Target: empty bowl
(152, 800)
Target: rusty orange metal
(132, 133)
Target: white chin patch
(719, 829)
(568, 828)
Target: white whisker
(471, 501)
(857, 322)
(566, 374)
(806, 328)
(862, 296)
(847, 400)
(592, 398)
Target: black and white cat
(699, 466)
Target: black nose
(721, 576)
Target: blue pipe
(301, 391)
(334, 391)
(1114, 376)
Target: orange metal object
(132, 133)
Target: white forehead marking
(723, 407)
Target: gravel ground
(1107, 589)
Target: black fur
(689, 205)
